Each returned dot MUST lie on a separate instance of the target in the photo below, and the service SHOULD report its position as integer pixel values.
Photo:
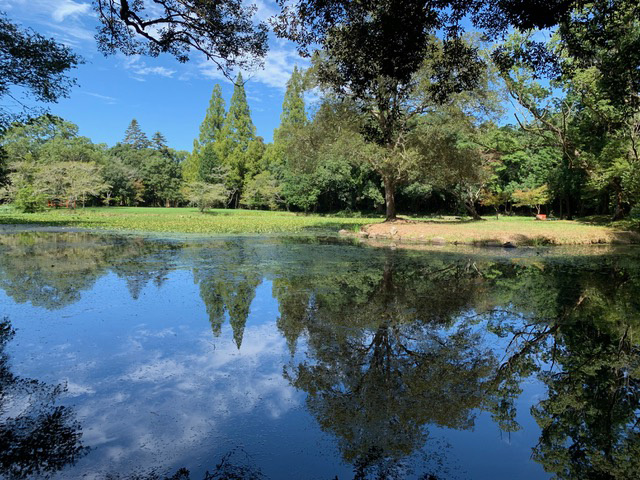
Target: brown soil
(496, 233)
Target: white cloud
(169, 403)
(69, 8)
(107, 99)
(264, 10)
(140, 68)
(67, 21)
(278, 66)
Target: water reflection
(51, 270)
(587, 338)
(386, 356)
(389, 351)
(37, 436)
(228, 276)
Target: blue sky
(161, 93)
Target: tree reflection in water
(228, 277)
(386, 357)
(51, 270)
(584, 347)
(37, 437)
(234, 465)
(393, 349)
(394, 344)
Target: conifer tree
(236, 135)
(293, 117)
(135, 137)
(205, 156)
(214, 118)
(293, 108)
(238, 129)
(159, 141)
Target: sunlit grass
(185, 220)
(520, 230)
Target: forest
(540, 118)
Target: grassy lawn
(518, 230)
(184, 220)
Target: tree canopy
(38, 65)
(222, 31)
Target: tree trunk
(471, 208)
(389, 198)
(561, 217)
(569, 214)
(618, 212)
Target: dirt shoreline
(434, 233)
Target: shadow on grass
(441, 221)
(24, 220)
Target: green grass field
(521, 230)
(185, 220)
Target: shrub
(27, 200)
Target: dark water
(271, 358)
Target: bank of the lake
(518, 231)
(503, 231)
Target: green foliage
(235, 139)
(124, 189)
(191, 166)
(535, 197)
(319, 163)
(206, 195)
(593, 135)
(28, 200)
(159, 141)
(262, 191)
(205, 159)
(69, 182)
(34, 66)
(293, 108)
(135, 137)
(28, 141)
(214, 118)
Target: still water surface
(276, 358)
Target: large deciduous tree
(373, 52)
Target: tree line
(408, 116)
(570, 154)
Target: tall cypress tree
(135, 137)
(293, 108)
(236, 135)
(214, 118)
(293, 116)
(238, 129)
(205, 158)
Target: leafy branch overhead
(34, 63)
(221, 30)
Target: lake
(313, 358)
